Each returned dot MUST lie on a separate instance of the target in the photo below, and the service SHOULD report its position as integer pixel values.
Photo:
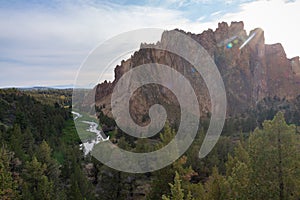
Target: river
(93, 128)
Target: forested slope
(40, 157)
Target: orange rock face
(250, 74)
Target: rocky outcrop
(295, 62)
(250, 73)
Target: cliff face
(250, 74)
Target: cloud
(60, 39)
(216, 13)
(278, 19)
(16, 75)
(46, 43)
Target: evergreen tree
(52, 171)
(16, 141)
(28, 142)
(196, 190)
(176, 190)
(238, 173)
(165, 175)
(217, 187)
(275, 161)
(8, 186)
(189, 196)
(37, 184)
(44, 156)
(75, 193)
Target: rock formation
(249, 74)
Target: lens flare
(248, 40)
(229, 45)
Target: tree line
(40, 159)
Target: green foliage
(196, 191)
(52, 97)
(274, 160)
(266, 166)
(69, 134)
(37, 185)
(8, 186)
(176, 190)
(115, 184)
(165, 175)
(16, 141)
(105, 120)
(40, 157)
(216, 186)
(31, 131)
(44, 155)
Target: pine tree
(37, 184)
(275, 160)
(165, 175)
(238, 173)
(217, 187)
(79, 182)
(52, 171)
(75, 193)
(176, 190)
(8, 186)
(189, 196)
(44, 156)
(28, 142)
(16, 141)
(196, 190)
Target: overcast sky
(43, 43)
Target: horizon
(47, 42)
(39, 86)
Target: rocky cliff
(250, 73)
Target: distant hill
(46, 87)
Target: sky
(44, 43)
